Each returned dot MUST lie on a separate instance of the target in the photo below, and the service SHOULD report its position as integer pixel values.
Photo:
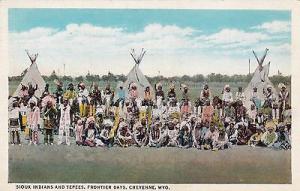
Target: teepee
(32, 76)
(260, 80)
(136, 76)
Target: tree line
(213, 77)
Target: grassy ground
(73, 164)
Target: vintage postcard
(160, 97)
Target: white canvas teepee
(136, 76)
(32, 76)
(260, 80)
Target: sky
(178, 42)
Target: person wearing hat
(283, 99)
(64, 122)
(33, 120)
(270, 97)
(90, 133)
(14, 124)
(49, 122)
(270, 136)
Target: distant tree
(53, 76)
(79, 78)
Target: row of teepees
(260, 78)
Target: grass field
(74, 164)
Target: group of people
(158, 118)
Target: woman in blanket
(124, 135)
(90, 133)
(185, 135)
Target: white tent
(260, 80)
(136, 76)
(32, 76)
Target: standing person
(240, 96)
(270, 97)
(33, 122)
(79, 132)
(121, 95)
(23, 93)
(23, 115)
(49, 122)
(283, 99)
(205, 93)
(171, 94)
(46, 91)
(31, 90)
(82, 99)
(147, 96)
(14, 124)
(159, 95)
(96, 95)
(59, 92)
(227, 95)
(207, 112)
(255, 98)
(133, 92)
(65, 121)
